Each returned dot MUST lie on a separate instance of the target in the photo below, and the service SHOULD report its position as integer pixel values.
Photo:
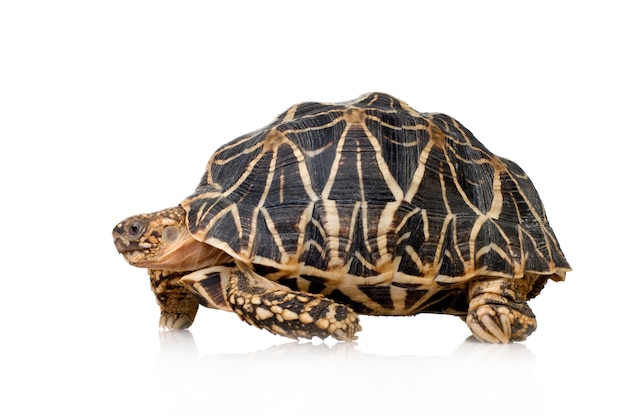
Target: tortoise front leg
(268, 305)
(498, 311)
(178, 306)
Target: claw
(505, 324)
(175, 321)
(494, 329)
(481, 334)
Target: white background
(112, 108)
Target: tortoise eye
(135, 229)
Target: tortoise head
(161, 240)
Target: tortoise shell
(373, 204)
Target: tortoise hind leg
(498, 311)
(268, 305)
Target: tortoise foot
(498, 313)
(281, 311)
(178, 306)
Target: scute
(402, 195)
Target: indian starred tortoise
(360, 207)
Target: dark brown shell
(370, 192)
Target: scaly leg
(271, 306)
(498, 311)
(268, 305)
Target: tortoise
(358, 207)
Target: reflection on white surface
(308, 378)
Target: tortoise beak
(124, 246)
